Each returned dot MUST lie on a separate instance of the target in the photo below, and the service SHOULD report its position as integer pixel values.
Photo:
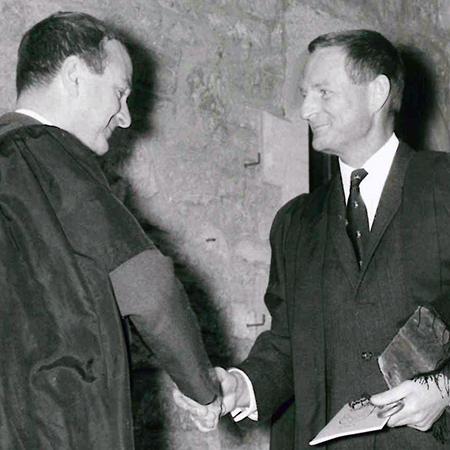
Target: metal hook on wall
(253, 163)
(258, 324)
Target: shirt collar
(34, 115)
(384, 156)
(377, 167)
(73, 145)
(378, 164)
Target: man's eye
(325, 93)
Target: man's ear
(71, 74)
(380, 88)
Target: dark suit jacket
(330, 320)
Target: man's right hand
(234, 390)
(234, 395)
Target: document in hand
(355, 417)
(420, 346)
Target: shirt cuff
(252, 410)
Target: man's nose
(309, 106)
(123, 116)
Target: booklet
(355, 417)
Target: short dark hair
(369, 54)
(47, 44)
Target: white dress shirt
(371, 187)
(377, 168)
(34, 115)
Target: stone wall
(218, 146)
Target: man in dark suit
(353, 260)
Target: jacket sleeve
(147, 290)
(269, 364)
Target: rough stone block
(285, 155)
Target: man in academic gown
(351, 262)
(74, 261)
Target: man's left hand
(424, 400)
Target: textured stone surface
(216, 84)
(285, 150)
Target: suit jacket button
(366, 356)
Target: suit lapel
(390, 201)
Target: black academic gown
(63, 362)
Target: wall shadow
(208, 315)
(150, 429)
(149, 393)
(415, 123)
(149, 398)
(141, 104)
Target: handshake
(234, 395)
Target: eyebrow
(317, 85)
(321, 83)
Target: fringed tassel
(440, 428)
